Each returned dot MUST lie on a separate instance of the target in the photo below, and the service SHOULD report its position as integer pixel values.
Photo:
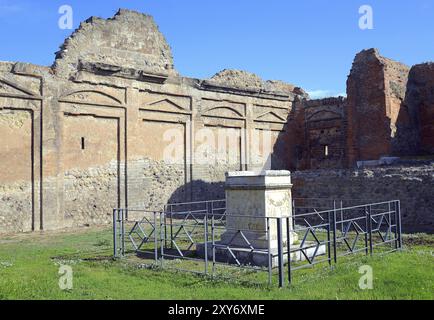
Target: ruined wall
(420, 101)
(412, 185)
(112, 124)
(118, 41)
(325, 133)
(403, 137)
(375, 91)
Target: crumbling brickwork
(420, 101)
(387, 112)
(375, 92)
(324, 131)
(108, 44)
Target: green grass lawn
(29, 266)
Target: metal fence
(199, 237)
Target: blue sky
(309, 43)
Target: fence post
(165, 229)
(329, 228)
(205, 221)
(171, 226)
(119, 234)
(115, 234)
(213, 245)
(288, 240)
(399, 225)
(280, 252)
(123, 231)
(335, 255)
(162, 215)
(155, 239)
(395, 210)
(270, 260)
(342, 217)
(389, 230)
(366, 232)
(368, 214)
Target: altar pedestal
(253, 204)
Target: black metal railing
(201, 234)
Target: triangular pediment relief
(165, 105)
(92, 97)
(12, 88)
(270, 117)
(223, 111)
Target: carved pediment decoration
(13, 88)
(223, 111)
(167, 105)
(270, 116)
(91, 97)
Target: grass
(29, 266)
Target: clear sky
(309, 43)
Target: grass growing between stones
(29, 266)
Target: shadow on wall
(409, 138)
(418, 110)
(313, 137)
(285, 148)
(198, 190)
(289, 149)
(405, 141)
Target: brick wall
(420, 101)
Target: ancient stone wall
(403, 136)
(376, 90)
(420, 101)
(119, 41)
(386, 113)
(112, 124)
(413, 186)
(325, 133)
